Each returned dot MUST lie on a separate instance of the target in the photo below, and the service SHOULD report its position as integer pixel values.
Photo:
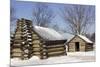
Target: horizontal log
(35, 45)
(53, 53)
(16, 44)
(36, 50)
(36, 42)
(55, 46)
(16, 50)
(55, 49)
(59, 54)
(54, 42)
(16, 54)
(16, 57)
(36, 53)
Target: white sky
(88, 2)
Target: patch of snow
(28, 33)
(29, 36)
(35, 60)
(11, 35)
(29, 39)
(48, 33)
(25, 55)
(23, 42)
(26, 51)
(30, 42)
(24, 26)
(19, 62)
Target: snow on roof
(48, 33)
(85, 38)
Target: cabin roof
(82, 37)
(85, 38)
(48, 33)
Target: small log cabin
(29, 40)
(79, 43)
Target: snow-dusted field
(89, 53)
(71, 57)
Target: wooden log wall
(89, 47)
(22, 41)
(26, 43)
(16, 47)
(56, 48)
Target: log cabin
(79, 43)
(30, 40)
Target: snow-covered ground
(71, 57)
(90, 53)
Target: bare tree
(78, 18)
(42, 15)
